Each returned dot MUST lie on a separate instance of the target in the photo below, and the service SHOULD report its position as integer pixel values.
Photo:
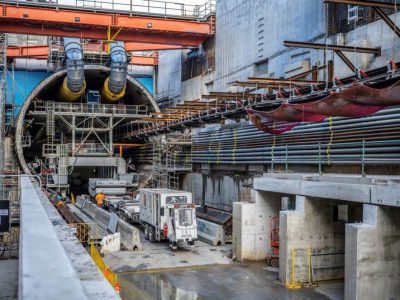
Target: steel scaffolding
(171, 157)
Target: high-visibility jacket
(99, 198)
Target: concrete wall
(249, 32)
(170, 73)
(249, 42)
(251, 226)
(219, 191)
(372, 269)
(310, 225)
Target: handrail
(131, 7)
(23, 175)
(68, 107)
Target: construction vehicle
(168, 214)
(273, 255)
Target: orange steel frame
(91, 25)
(41, 52)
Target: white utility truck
(168, 214)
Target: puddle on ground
(234, 282)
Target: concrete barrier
(210, 233)
(130, 235)
(53, 264)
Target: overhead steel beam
(41, 52)
(364, 3)
(375, 51)
(84, 24)
(303, 74)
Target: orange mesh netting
(357, 101)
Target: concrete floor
(234, 281)
(9, 279)
(158, 256)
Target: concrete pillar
(311, 225)
(251, 225)
(372, 262)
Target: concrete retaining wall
(130, 235)
(218, 191)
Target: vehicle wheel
(275, 262)
(152, 234)
(146, 232)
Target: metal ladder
(50, 124)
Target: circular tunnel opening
(37, 122)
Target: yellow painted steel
(67, 95)
(109, 96)
(294, 284)
(108, 274)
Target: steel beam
(305, 73)
(90, 25)
(284, 81)
(375, 51)
(387, 20)
(364, 3)
(346, 60)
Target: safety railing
(71, 108)
(108, 274)
(58, 150)
(87, 233)
(26, 141)
(90, 149)
(131, 7)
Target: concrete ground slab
(235, 281)
(8, 279)
(158, 256)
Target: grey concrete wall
(193, 88)
(310, 225)
(219, 191)
(170, 73)
(250, 31)
(251, 226)
(372, 264)
(249, 42)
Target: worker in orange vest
(100, 199)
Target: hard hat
(100, 191)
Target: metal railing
(131, 7)
(54, 150)
(64, 107)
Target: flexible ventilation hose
(115, 85)
(74, 84)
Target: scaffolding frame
(172, 156)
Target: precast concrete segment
(45, 270)
(50, 80)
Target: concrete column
(251, 225)
(310, 225)
(372, 262)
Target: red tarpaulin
(356, 101)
